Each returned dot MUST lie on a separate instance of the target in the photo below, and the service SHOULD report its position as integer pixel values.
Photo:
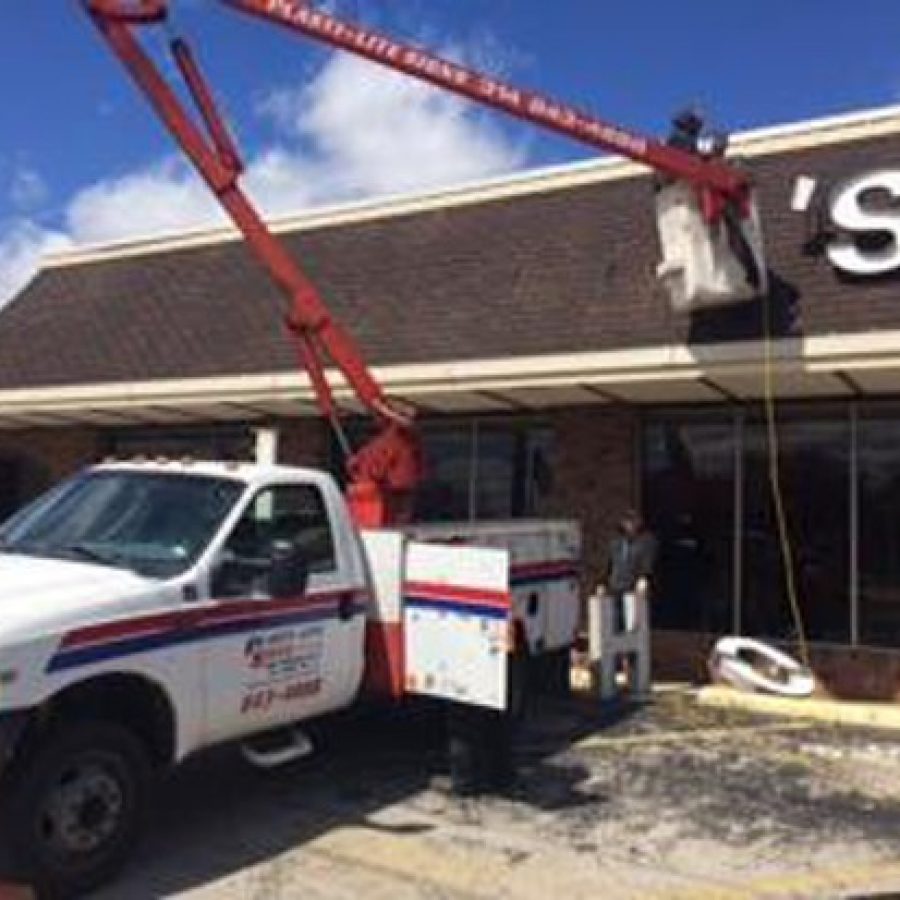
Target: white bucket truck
(150, 610)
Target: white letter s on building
(849, 214)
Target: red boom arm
(718, 183)
(386, 470)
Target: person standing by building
(631, 559)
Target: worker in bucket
(631, 559)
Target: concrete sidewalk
(832, 712)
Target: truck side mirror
(232, 577)
(288, 573)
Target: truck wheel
(74, 807)
(554, 678)
(518, 685)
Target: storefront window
(513, 470)
(689, 504)
(814, 464)
(537, 466)
(446, 493)
(878, 457)
(495, 472)
(707, 486)
(478, 469)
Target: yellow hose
(787, 556)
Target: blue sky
(82, 159)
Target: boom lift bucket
(708, 263)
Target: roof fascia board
(804, 135)
(816, 354)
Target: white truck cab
(148, 610)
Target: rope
(775, 486)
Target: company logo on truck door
(284, 666)
(273, 656)
(144, 634)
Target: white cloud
(21, 246)
(356, 130)
(373, 131)
(159, 199)
(27, 190)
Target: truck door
(275, 660)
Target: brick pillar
(58, 451)
(595, 475)
(303, 442)
(32, 460)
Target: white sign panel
(700, 267)
(456, 623)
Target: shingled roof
(568, 268)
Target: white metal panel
(461, 401)
(456, 622)
(222, 412)
(284, 407)
(668, 390)
(545, 558)
(384, 553)
(785, 384)
(699, 267)
(876, 381)
(545, 398)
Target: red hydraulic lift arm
(385, 471)
(719, 184)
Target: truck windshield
(155, 523)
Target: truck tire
(519, 685)
(480, 745)
(552, 673)
(73, 808)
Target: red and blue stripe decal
(481, 601)
(114, 640)
(527, 574)
(445, 598)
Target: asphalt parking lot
(663, 800)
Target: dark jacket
(629, 560)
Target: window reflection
(814, 463)
(689, 504)
(689, 499)
(495, 468)
(879, 529)
(485, 470)
(445, 493)
(539, 462)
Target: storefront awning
(815, 367)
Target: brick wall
(303, 442)
(595, 475)
(55, 452)
(42, 457)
